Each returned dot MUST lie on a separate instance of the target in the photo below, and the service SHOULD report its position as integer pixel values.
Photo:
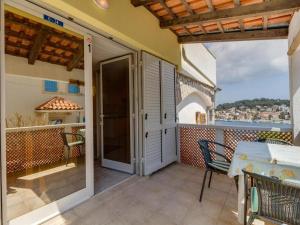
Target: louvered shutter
(152, 114)
(168, 74)
(159, 113)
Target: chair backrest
(274, 141)
(276, 200)
(206, 153)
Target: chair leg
(68, 156)
(210, 176)
(203, 185)
(251, 219)
(246, 207)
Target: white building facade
(196, 85)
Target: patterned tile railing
(188, 135)
(30, 147)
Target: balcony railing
(228, 135)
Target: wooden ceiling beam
(38, 43)
(265, 25)
(138, 3)
(28, 38)
(53, 33)
(173, 15)
(242, 26)
(187, 7)
(236, 36)
(237, 2)
(164, 5)
(236, 13)
(210, 5)
(76, 59)
(220, 27)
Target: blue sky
(255, 69)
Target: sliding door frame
(2, 126)
(67, 202)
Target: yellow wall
(136, 26)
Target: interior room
(45, 112)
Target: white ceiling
(104, 48)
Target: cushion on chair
(220, 165)
(254, 200)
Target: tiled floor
(168, 197)
(105, 178)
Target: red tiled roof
(59, 103)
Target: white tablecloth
(282, 161)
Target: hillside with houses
(274, 110)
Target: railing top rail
(33, 128)
(234, 127)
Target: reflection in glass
(45, 129)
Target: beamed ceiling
(223, 20)
(27, 38)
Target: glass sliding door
(45, 112)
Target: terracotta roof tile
(59, 103)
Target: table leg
(241, 200)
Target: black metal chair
(272, 199)
(274, 141)
(72, 140)
(212, 165)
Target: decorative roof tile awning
(25, 37)
(223, 20)
(59, 104)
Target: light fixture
(102, 4)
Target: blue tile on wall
(50, 86)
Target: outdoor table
(282, 161)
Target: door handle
(146, 135)
(165, 116)
(146, 116)
(166, 131)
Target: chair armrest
(76, 135)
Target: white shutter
(169, 113)
(170, 148)
(159, 113)
(152, 114)
(168, 91)
(153, 153)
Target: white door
(116, 114)
(168, 72)
(159, 113)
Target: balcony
(171, 195)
